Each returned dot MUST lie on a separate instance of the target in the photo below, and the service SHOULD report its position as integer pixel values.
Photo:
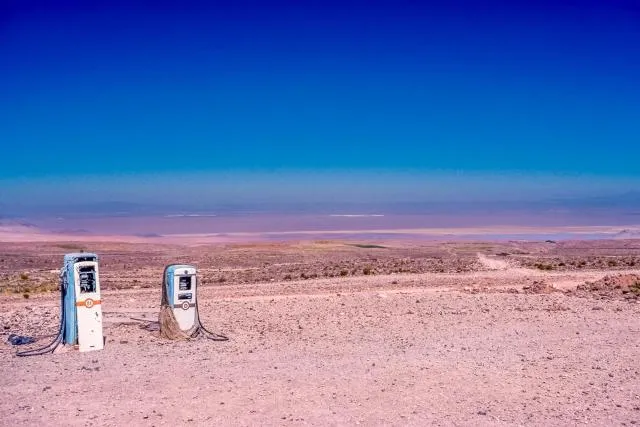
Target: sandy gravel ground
(472, 348)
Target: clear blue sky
(123, 87)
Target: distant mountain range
(627, 203)
(628, 234)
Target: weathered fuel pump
(181, 292)
(80, 311)
(179, 318)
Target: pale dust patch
(492, 263)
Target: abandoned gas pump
(82, 307)
(179, 317)
(181, 290)
(81, 312)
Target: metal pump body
(180, 283)
(81, 303)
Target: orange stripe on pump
(88, 303)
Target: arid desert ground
(337, 333)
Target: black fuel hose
(207, 333)
(49, 348)
(201, 329)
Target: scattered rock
(539, 287)
(620, 286)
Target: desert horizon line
(252, 187)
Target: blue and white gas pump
(179, 317)
(81, 306)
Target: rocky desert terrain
(337, 333)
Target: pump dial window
(185, 283)
(87, 279)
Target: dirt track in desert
(497, 334)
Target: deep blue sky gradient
(109, 88)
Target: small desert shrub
(33, 288)
(71, 247)
(367, 271)
(544, 267)
(288, 277)
(221, 279)
(344, 273)
(368, 246)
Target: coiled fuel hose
(49, 348)
(207, 333)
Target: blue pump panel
(170, 273)
(168, 279)
(70, 329)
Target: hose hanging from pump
(49, 348)
(201, 329)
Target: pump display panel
(185, 283)
(87, 277)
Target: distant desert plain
(335, 331)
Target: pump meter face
(87, 276)
(185, 283)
